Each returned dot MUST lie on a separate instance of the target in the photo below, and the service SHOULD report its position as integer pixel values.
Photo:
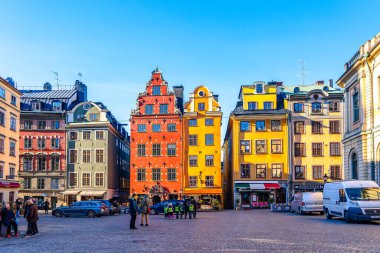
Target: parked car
(81, 208)
(111, 208)
(307, 202)
(159, 207)
(352, 200)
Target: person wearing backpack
(144, 212)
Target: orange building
(156, 141)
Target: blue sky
(221, 44)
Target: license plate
(375, 217)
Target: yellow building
(202, 157)
(256, 148)
(316, 134)
(9, 140)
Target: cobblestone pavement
(226, 231)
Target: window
(209, 122)
(141, 128)
(56, 105)
(27, 124)
(27, 183)
(299, 149)
(1, 169)
(245, 170)
(316, 107)
(209, 138)
(317, 149)
(141, 150)
(27, 163)
(268, 105)
(99, 155)
(2, 118)
(156, 128)
(73, 136)
(317, 172)
(41, 124)
(334, 149)
(335, 172)
(355, 99)
(54, 161)
(2, 93)
(27, 143)
(55, 124)
(261, 171)
(73, 156)
(276, 170)
(193, 181)
(99, 135)
(201, 107)
(1, 144)
(13, 100)
(55, 143)
(86, 135)
(209, 181)
(86, 179)
(193, 161)
(156, 90)
(260, 125)
(99, 179)
(148, 109)
(259, 88)
(245, 126)
(275, 125)
(316, 127)
(36, 106)
(252, 106)
(261, 147)
(13, 123)
(171, 128)
(141, 175)
(41, 163)
(209, 160)
(300, 172)
(193, 140)
(298, 107)
(276, 146)
(54, 183)
(73, 179)
(334, 127)
(299, 127)
(40, 183)
(245, 146)
(334, 106)
(86, 156)
(41, 144)
(163, 108)
(192, 122)
(93, 116)
(12, 148)
(171, 149)
(172, 174)
(156, 149)
(156, 175)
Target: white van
(352, 200)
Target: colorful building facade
(202, 150)
(361, 139)
(315, 130)
(256, 147)
(9, 140)
(156, 141)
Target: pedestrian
(194, 203)
(181, 209)
(133, 210)
(46, 206)
(191, 210)
(165, 211)
(32, 218)
(18, 207)
(186, 207)
(144, 211)
(176, 211)
(8, 219)
(170, 211)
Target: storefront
(70, 196)
(89, 195)
(308, 186)
(8, 190)
(209, 198)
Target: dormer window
(36, 106)
(57, 105)
(93, 116)
(156, 90)
(259, 88)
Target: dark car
(81, 208)
(159, 207)
(113, 209)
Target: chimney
(82, 91)
(331, 83)
(178, 91)
(216, 97)
(320, 82)
(47, 86)
(11, 81)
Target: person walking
(186, 207)
(46, 207)
(133, 211)
(144, 211)
(194, 203)
(8, 219)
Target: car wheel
(347, 217)
(58, 214)
(91, 214)
(327, 214)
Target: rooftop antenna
(303, 72)
(56, 79)
(80, 76)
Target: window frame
(258, 129)
(271, 146)
(296, 127)
(265, 151)
(209, 162)
(263, 167)
(245, 170)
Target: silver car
(307, 202)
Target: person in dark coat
(18, 207)
(133, 211)
(8, 219)
(46, 206)
(194, 202)
(32, 218)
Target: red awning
(5, 184)
(272, 186)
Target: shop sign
(312, 187)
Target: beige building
(9, 140)
(361, 140)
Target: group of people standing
(138, 206)
(188, 207)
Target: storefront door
(245, 200)
(53, 202)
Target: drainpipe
(290, 152)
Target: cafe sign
(308, 188)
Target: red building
(156, 141)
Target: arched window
(354, 166)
